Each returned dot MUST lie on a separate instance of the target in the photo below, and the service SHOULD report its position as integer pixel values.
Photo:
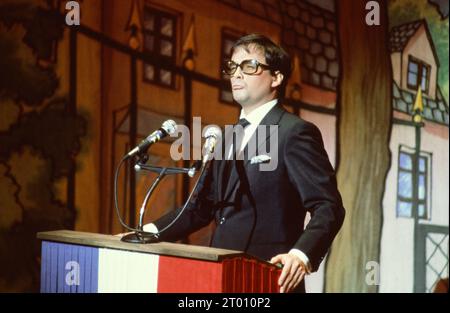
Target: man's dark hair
(276, 57)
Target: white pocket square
(263, 158)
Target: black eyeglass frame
(254, 62)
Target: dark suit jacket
(263, 212)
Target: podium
(80, 262)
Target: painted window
(160, 42)
(405, 185)
(418, 74)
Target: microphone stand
(141, 236)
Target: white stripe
(125, 271)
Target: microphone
(211, 135)
(169, 127)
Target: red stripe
(188, 275)
(231, 275)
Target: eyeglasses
(248, 67)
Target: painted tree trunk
(364, 125)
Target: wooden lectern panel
(72, 263)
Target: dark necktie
(244, 123)
(229, 164)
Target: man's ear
(277, 79)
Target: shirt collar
(256, 116)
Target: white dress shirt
(255, 117)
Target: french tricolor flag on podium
(76, 268)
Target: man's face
(255, 89)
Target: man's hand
(293, 271)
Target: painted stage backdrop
(81, 84)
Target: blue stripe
(54, 259)
(74, 257)
(87, 271)
(94, 270)
(67, 257)
(61, 266)
(83, 268)
(44, 261)
(48, 266)
(53, 268)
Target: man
(263, 212)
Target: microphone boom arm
(167, 170)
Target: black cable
(116, 201)
(142, 232)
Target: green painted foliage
(22, 80)
(52, 131)
(25, 80)
(43, 125)
(405, 11)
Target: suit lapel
(272, 118)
